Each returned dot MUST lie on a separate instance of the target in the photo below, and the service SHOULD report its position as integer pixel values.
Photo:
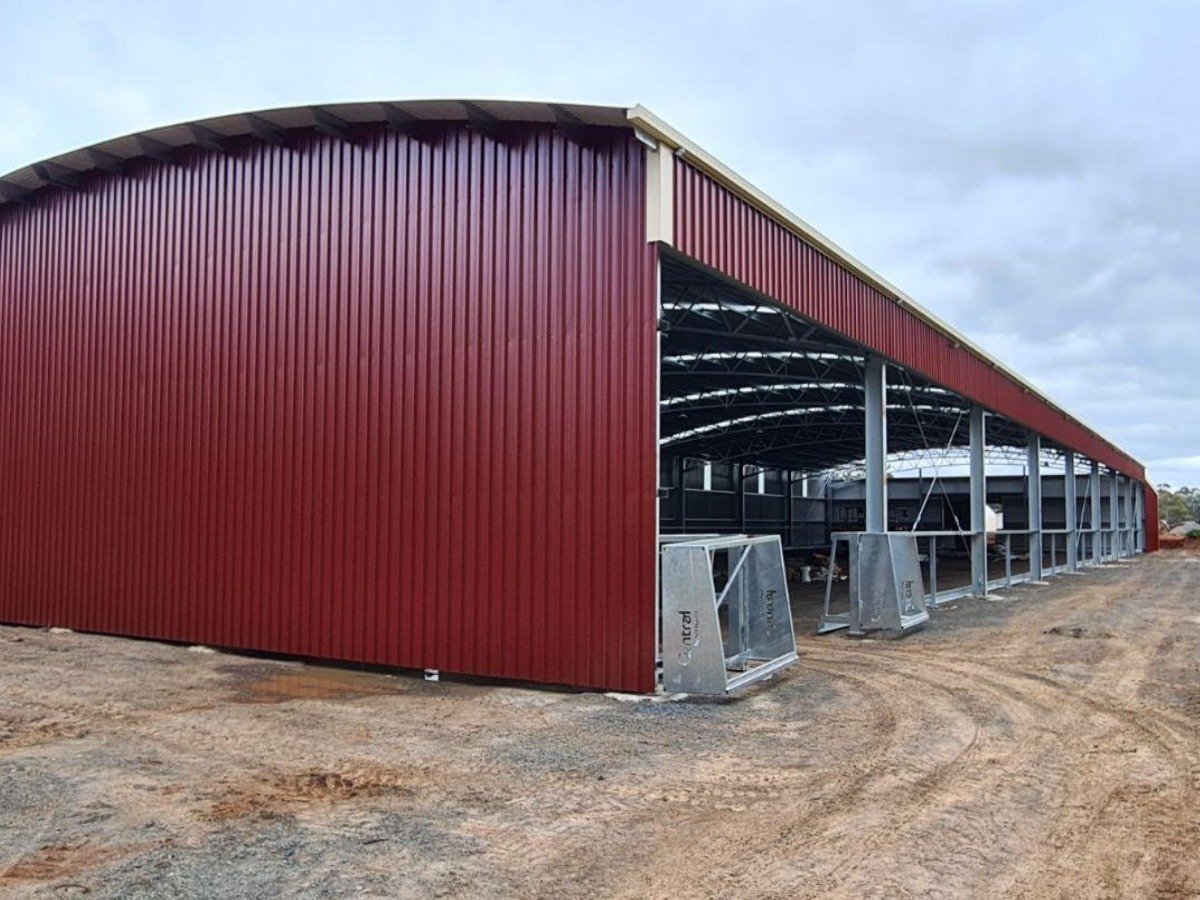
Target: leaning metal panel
(698, 655)
(831, 621)
(887, 592)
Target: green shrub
(1194, 534)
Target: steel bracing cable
(937, 479)
(937, 476)
(1087, 499)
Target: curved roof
(67, 169)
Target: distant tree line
(1178, 506)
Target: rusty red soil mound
(1178, 542)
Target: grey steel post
(1033, 493)
(827, 496)
(1130, 522)
(788, 514)
(1118, 516)
(1139, 518)
(978, 502)
(682, 468)
(875, 413)
(1070, 502)
(1097, 522)
(1114, 513)
(741, 495)
(933, 547)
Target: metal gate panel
(698, 653)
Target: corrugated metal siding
(1150, 499)
(389, 401)
(719, 229)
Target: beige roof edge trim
(647, 122)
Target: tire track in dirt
(1054, 725)
(979, 770)
(1166, 816)
(1041, 698)
(823, 829)
(853, 772)
(1076, 830)
(695, 796)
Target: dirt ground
(1042, 744)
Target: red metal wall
(716, 227)
(389, 401)
(1150, 498)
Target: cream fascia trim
(660, 192)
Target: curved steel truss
(746, 380)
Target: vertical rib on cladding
(389, 401)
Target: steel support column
(1033, 495)
(789, 517)
(1130, 522)
(827, 496)
(1070, 502)
(1139, 518)
(741, 496)
(978, 437)
(1114, 513)
(1122, 514)
(875, 413)
(682, 469)
(1097, 520)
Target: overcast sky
(1028, 171)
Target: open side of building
(420, 384)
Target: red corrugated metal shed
(383, 393)
(388, 400)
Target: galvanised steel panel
(389, 401)
(724, 232)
